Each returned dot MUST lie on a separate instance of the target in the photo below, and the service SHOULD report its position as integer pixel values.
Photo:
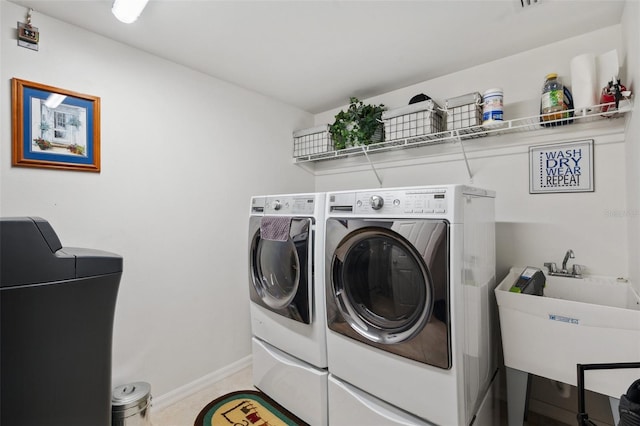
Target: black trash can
(56, 324)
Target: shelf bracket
(375, 172)
(464, 154)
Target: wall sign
(28, 35)
(565, 167)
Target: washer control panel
(431, 200)
(290, 204)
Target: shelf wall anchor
(375, 172)
(464, 154)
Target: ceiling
(316, 54)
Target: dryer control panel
(257, 204)
(290, 204)
(427, 200)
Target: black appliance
(56, 323)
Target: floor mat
(246, 408)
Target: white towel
(275, 228)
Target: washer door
(279, 270)
(389, 285)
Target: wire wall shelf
(535, 123)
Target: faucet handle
(578, 270)
(551, 266)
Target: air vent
(529, 3)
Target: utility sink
(578, 321)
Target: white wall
(631, 68)
(531, 229)
(181, 155)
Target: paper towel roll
(608, 68)
(584, 82)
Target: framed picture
(564, 167)
(54, 128)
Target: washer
(286, 286)
(410, 274)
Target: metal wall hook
(464, 154)
(364, 151)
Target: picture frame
(561, 167)
(54, 128)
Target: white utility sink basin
(577, 321)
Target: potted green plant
(360, 124)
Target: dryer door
(279, 270)
(389, 285)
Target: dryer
(409, 275)
(287, 302)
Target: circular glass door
(381, 285)
(276, 272)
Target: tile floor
(184, 412)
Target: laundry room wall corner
(631, 29)
(182, 153)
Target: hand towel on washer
(275, 228)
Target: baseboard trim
(184, 391)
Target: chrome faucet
(576, 270)
(568, 255)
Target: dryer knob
(276, 205)
(377, 202)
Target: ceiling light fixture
(128, 11)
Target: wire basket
(311, 141)
(418, 119)
(463, 112)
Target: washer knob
(277, 205)
(377, 202)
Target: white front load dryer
(409, 277)
(287, 304)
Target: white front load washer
(287, 302)
(409, 277)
